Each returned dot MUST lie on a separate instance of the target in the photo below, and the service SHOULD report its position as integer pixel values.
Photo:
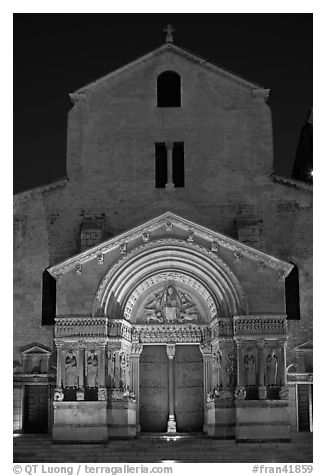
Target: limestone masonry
(168, 308)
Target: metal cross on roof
(169, 33)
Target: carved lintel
(261, 343)
(78, 269)
(170, 350)
(145, 237)
(100, 257)
(123, 248)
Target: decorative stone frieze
(268, 325)
(221, 328)
(119, 329)
(78, 327)
(178, 333)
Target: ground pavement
(41, 449)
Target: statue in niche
(123, 365)
(229, 370)
(250, 369)
(111, 368)
(171, 306)
(92, 370)
(70, 370)
(271, 369)
(217, 370)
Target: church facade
(166, 285)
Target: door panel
(153, 388)
(303, 407)
(189, 388)
(36, 409)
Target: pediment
(183, 54)
(35, 348)
(305, 347)
(166, 227)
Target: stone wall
(113, 127)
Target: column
(172, 427)
(134, 357)
(59, 367)
(282, 366)
(169, 149)
(80, 394)
(101, 391)
(261, 370)
(206, 351)
(240, 357)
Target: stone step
(146, 450)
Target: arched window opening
(169, 89)
(49, 291)
(292, 294)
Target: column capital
(205, 349)
(136, 350)
(170, 350)
(261, 343)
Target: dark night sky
(54, 54)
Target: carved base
(80, 394)
(172, 425)
(262, 393)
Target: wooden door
(153, 389)
(36, 409)
(304, 403)
(189, 388)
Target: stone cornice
(169, 220)
(290, 182)
(22, 196)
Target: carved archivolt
(192, 264)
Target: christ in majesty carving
(171, 306)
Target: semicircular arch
(199, 267)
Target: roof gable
(256, 88)
(185, 229)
